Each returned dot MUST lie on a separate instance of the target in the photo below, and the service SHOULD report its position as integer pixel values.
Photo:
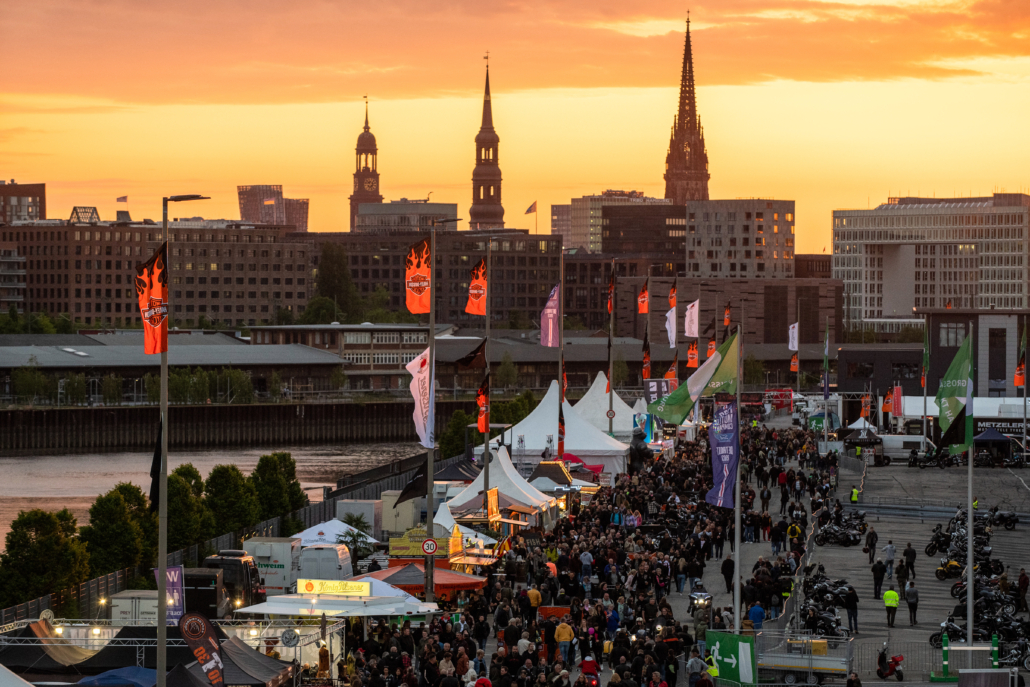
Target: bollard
(994, 651)
(944, 644)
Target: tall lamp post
(162, 508)
(430, 453)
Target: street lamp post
(162, 509)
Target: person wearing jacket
(879, 570)
(912, 598)
(564, 635)
(890, 602)
(851, 606)
(871, 537)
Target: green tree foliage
(276, 485)
(235, 386)
(620, 371)
(11, 322)
(574, 323)
(376, 308)
(321, 310)
(513, 411)
(334, 283)
(338, 378)
(507, 375)
(188, 386)
(519, 320)
(194, 523)
(192, 477)
(64, 325)
(40, 323)
(232, 499)
(113, 539)
(153, 385)
(452, 441)
(139, 509)
(754, 370)
(356, 543)
(282, 315)
(75, 389)
(275, 385)
(909, 334)
(111, 389)
(43, 555)
(32, 385)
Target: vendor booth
(412, 577)
(866, 445)
(994, 443)
(330, 532)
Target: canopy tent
(581, 438)
(862, 423)
(385, 600)
(9, 679)
(546, 484)
(575, 463)
(507, 480)
(444, 518)
(242, 665)
(640, 407)
(132, 676)
(411, 578)
(329, 532)
(593, 407)
(863, 437)
(991, 436)
(462, 471)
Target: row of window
(925, 220)
(276, 295)
(228, 252)
(227, 267)
(919, 234)
(731, 216)
(359, 358)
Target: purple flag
(723, 435)
(549, 321)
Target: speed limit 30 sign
(429, 547)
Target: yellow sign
(493, 511)
(336, 587)
(411, 544)
(455, 547)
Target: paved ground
(1003, 487)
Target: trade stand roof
(594, 408)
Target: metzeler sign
(337, 587)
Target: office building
(745, 238)
(22, 202)
(912, 253)
(405, 215)
(585, 230)
(813, 266)
(657, 229)
(265, 204)
(12, 275)
(561, 220)
(686, 163)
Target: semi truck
(275, 558)
(243, 583)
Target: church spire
(486, 211)
(686, 164)
(488, 112)
(366, 113)
(688, 102)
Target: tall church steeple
(366, 172)
(686, 164)
(486, 211)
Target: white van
(324, 562)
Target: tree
(192, 477)
(194, 523)
(333, 281)
(754, 370)
(574, 322)
(275, 385)
(452, 441)
(43, 555)
(338, 378)
(320, 310)
(11, 323)
(113, 540)
(620, 371)
(40, 323)
(276, 485)
(75, 388)
(111, 389)
(518, 319)
(376, 308)
(507, 374)
(236, 385)
(357, 544)
(231, 498)
(153, 385)
(30, 384)
(282, 315)
(139, 509)
(64, 324)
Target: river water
(73, 481)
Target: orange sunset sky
(831, 104)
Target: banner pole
(971, 517)
(1024, 393)
(926, 375)
(611, 334)
(798, 352)
(486, 355)
(736, 481)
(162, 492)
(431, 430)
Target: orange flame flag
(152, 290)
(643, 300)
(564, 379)
(711, 348)
(672, 294)
(611, 288)
(865, 406)
(483, 401)
(645, 369)
(671, 372)
(794, 363)
(417, 274)
(477, 290)
(887, 406)
(726, 316)
(692, 355)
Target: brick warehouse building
(229, 272)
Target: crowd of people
(618, 558)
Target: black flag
(415, 488)
(475, 358)
(155, 473)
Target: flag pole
(826, 383)
(1024, 391)
(561, 333)
(971, 517)
(611, 332)
(162, 491)
(926, 374)
(431, 430)
(486, 356)
(736, 482)
(799, 349)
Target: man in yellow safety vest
(890, 602)
(854, 494)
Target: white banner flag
(690, 319)
(670, 326)
(422, 391)
(792, 337)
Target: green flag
(955, 400)
(718, 374)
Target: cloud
(322, 51)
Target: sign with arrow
(734, 656)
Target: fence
(87, 596)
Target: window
(386, 338)
(905, 371)
(414, 338)
(357, 338)
(860, 370)
(952, 334)
(357, 358)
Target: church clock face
(370, 184)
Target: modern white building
(931, 253)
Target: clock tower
(366, 173)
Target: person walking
(910, 560)
(854, 495)
(1023, 583)
(888, 558)
(890, 602)
(851, 605)
(871, 537)
(727, 572)
(912, 598)
(879, 570)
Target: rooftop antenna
(427, 197)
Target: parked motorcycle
(956, 633)
(1017, 654)
(887, 666)
(834, 534)
(1005, 518)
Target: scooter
(885, 667)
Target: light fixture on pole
(162, 511)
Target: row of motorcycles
(939, 458)
(823, 596)
(845, 530)
(994, 609)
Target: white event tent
(507, 480)
(384, 600)
(593, 407)
(445, 519)
(582, 439)
(329, 532)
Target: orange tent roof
(411, 578)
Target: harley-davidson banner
(418, 267)
(477, 290)
(203, 644)
(152, 290)
(483, 401)
(692, 355)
